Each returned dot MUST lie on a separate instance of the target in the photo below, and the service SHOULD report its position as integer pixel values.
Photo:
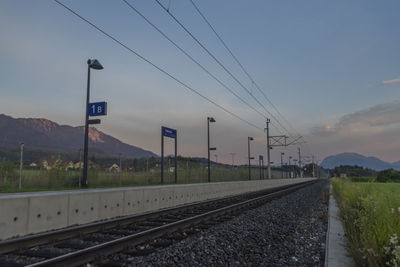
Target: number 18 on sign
(98, 109)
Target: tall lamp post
(21, 164)
(92, 64)
(282, 153)
(248, 146)
(209, 119)
(290, 168)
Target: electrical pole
(268, 150)
(282, 153)
(21, 166)
(301, 170)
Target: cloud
(376, 118)
(393, 81)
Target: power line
(219, 63)
(157, 67)
(241, 66)
(191, 58)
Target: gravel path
(289, 231)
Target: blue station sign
(168, 132)
(261, 158)
(97, 109)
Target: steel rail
(95, 252)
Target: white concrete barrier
(28, 213)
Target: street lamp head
(211, 119)
(250, 138)
(94, 64)
(282, 153)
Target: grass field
(38, 180)
(371, 216)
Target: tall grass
(371, 216)
(37, 180)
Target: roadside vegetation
(370, 212)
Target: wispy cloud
(377, 117)
(393, 81)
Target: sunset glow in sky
(331, 68)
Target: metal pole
(21, 166)
(290, 168)
(301, 170)
(162, 156)
(169, 169)
(313, 167)
(187, 171)
(248, 146)
(233, 158)
(260, 168)
(80, 167)
(282, 164)
(86, 140)
(268, 151)
(120, 170)
(176, 161)
(208, 148)
(147, 170)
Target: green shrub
(389, 175)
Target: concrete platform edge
(337, 251)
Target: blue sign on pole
(98, 109)
(168, 132)
(261, 157)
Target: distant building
(56, 163)
(114, 168)
(33, 164)
(343, 175)
(78, 165)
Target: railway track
(91, 242)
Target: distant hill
(46, 135)
(353, 159)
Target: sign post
(261, 162)
(171, 133)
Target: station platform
(35, 212)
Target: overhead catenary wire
(242, 67)
(219, 63)
(157, 67)
(191, 58)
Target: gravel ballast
(289, 231)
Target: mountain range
(359, 160)
(46, 135)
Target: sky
(331, 68)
